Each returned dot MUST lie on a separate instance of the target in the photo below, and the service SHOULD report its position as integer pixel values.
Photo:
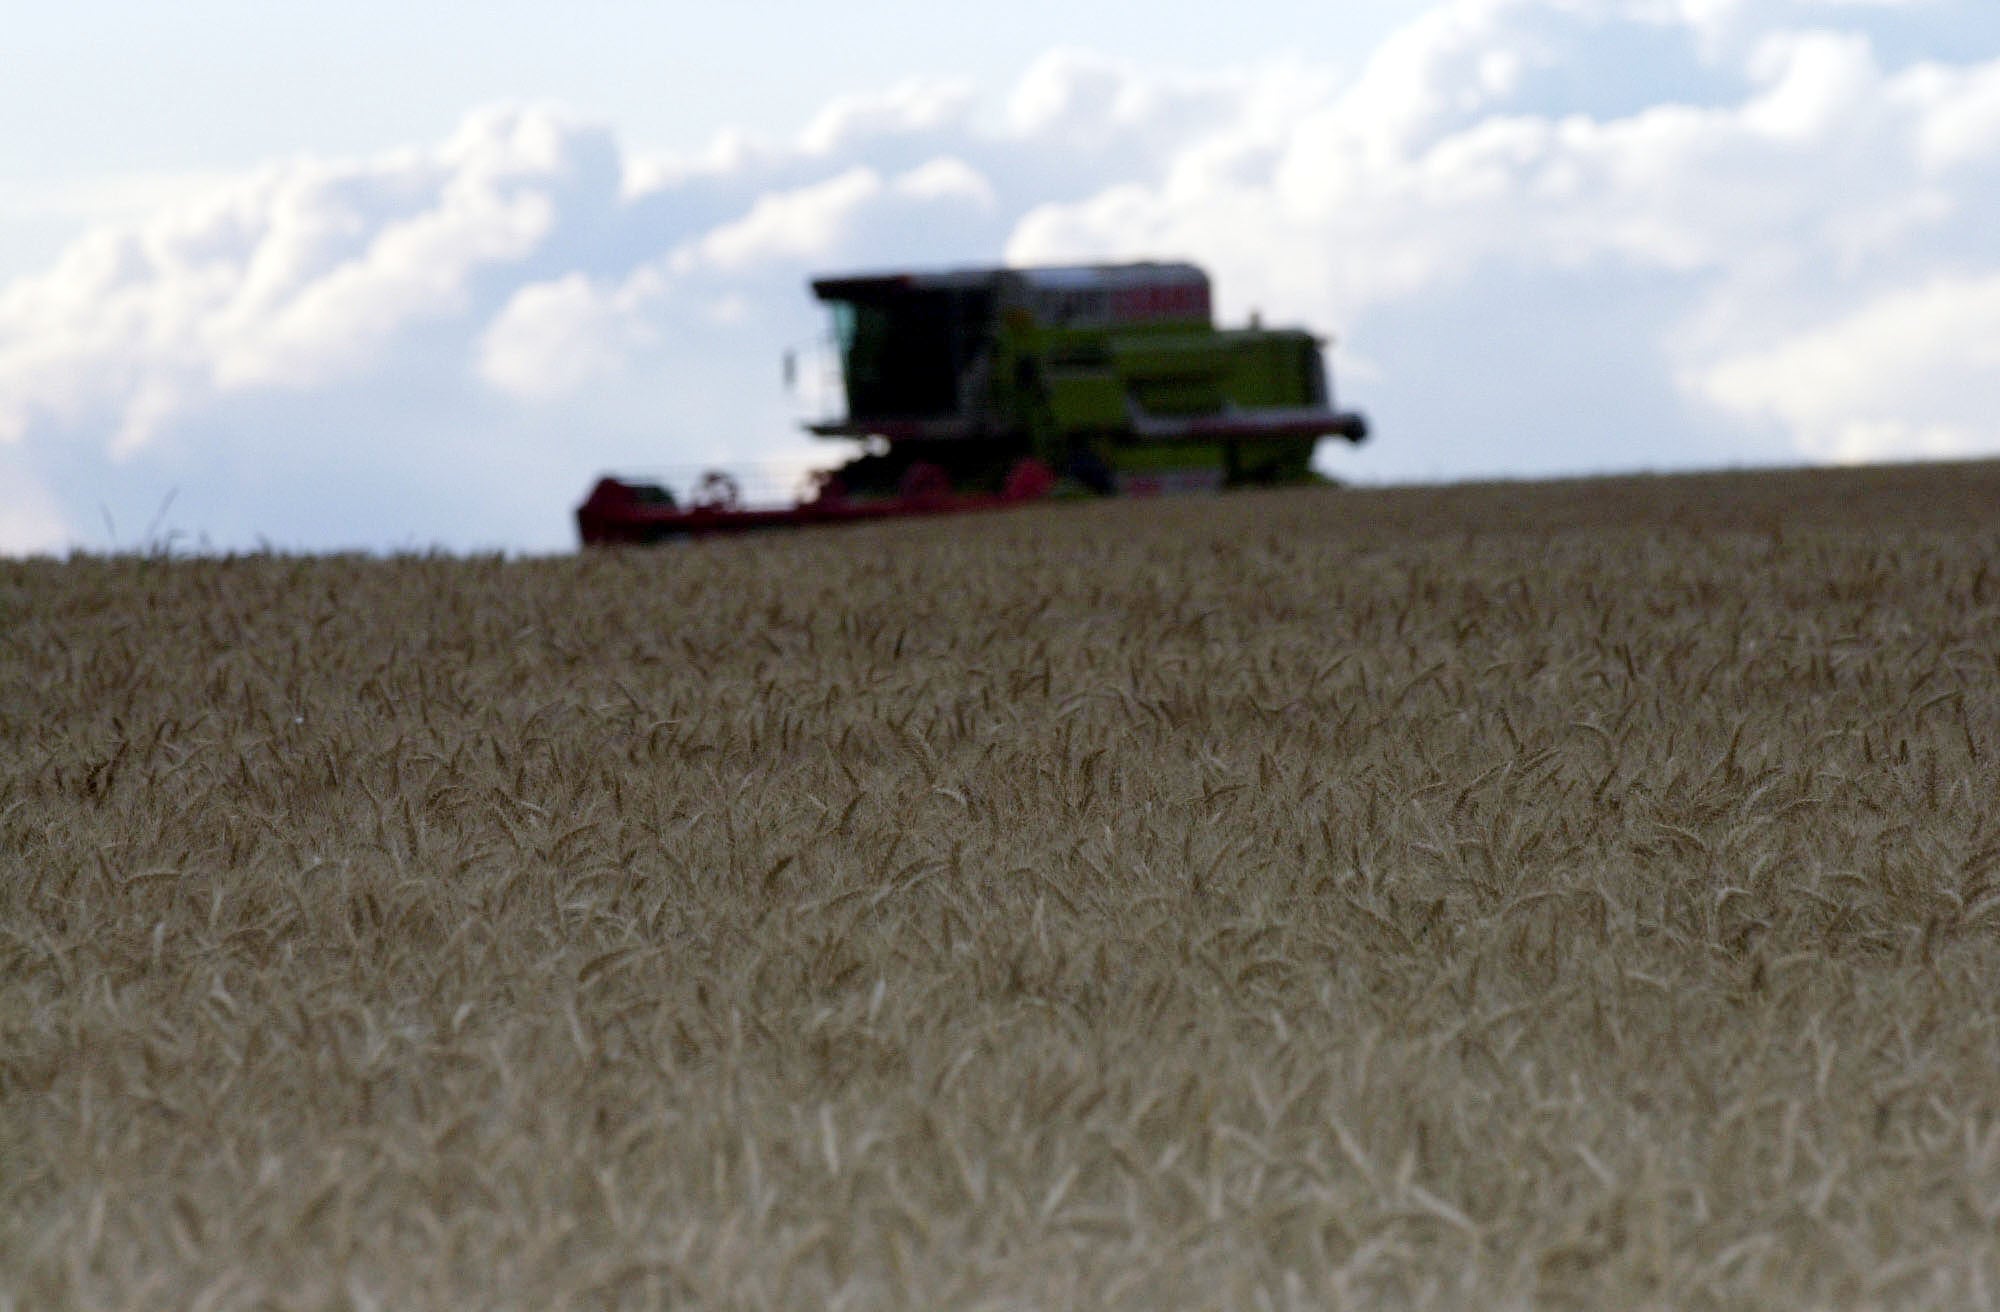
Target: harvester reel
(718, 490)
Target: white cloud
(552, 338)
(801, 224)
(301, 275)
(412, 270)
(1910, 374)
(1814, 80)
(1825, 182)
(1523, 212)
(947, 179)
(1960, 111)
(556, 337)
(1068, 91)
(913, 108)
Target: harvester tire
(1028, 480)
(924, 483)
(826, 488)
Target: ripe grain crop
(1566, 896)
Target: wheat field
(1577, 895)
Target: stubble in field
(1574, 896)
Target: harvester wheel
(1028, 480)
(825, 487)
(924, 483)
(1090, 471)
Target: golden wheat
(1578, 895)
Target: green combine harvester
(978, 387)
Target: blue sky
(396, 276)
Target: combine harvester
(975, 389)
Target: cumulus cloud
(552, 338)
(801, 224)
(1910, 374)
(1558, 234)
(1801, 181)
(916, 108)
(304, 351)
(300, 276)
